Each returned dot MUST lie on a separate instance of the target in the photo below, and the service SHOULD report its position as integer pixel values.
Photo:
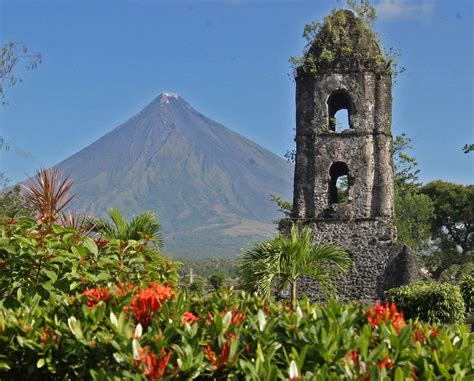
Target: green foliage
(145, 226)
(197, 287)
(284, 206)
(285, 259)
(345, 42)
(12, 203)
(412, 214)
(413, 210)
(468, 148)
(223, 336)
(209, 266)
(430, 301)
(466, 285)
(452, 222)
(51, 261)
(216, 281)
(452, 228)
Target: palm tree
(287, 258)
(145, 227)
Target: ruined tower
(344, 69)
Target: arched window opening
(339, 183)
(340, 108)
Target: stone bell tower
(344, 70)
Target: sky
(103, 61)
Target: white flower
(138, 331)
(136, 348)
(299, 312)
(262, 321)
(72, 323)
(456, 340)
(293, 370)
(113, 319)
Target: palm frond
(145, 226)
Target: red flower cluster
(149, 300)
(385, 363)
(189, 317)
(386, 314)
(153, 368)
(419, 334)
(224, 355)
(237, 317)
(101, 243)
(95, 295)
(122, 289)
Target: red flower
(122, 289)
(386, 362)
(419, 334)
(386, 314)
(95, 295)
(237, 317)
(224, 355)
(189, 317)
(434, 332)
(101, 243)
(153, 368)
(149, 300)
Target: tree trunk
(293, 295)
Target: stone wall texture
(363, 224)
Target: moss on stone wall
(343, 43)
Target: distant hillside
(209, 186)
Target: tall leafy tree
(413, 209)
(452, 224)
(285, 259)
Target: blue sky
(103, 61)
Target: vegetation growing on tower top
(345, 42)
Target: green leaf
(90, 245)
(50, 274)
(40, 363)
(399, 375)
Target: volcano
(209, 186)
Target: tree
(452, 224)
(413, 209)
(145, 227)
(216, 281)
(11, 54)
(287, 258)
(12, 203)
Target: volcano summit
(209, 186)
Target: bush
(429, 301)
(466, 285)
(155, 332)
(72, 309)
(54, 260)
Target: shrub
(429, 301)
(52, 260)
(224, 335)
(466, 285)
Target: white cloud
(392, 9)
